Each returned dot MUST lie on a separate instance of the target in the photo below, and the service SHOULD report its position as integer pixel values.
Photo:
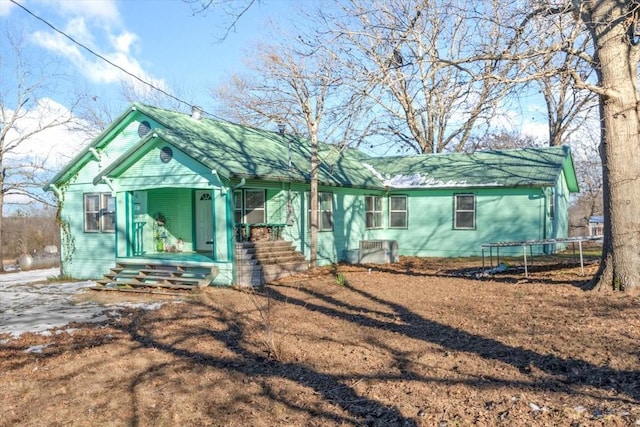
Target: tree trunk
(1, 217)
(617, 66)
(314, 200)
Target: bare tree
(589, 170)
(406, 56)
(614, 35)
(615, 30)
(23, 173)
(233, 9)
(500, 141)
(292, 86)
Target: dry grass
(418, 343)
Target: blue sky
(160, 41)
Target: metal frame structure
(530, 243)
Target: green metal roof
(236, 151)
(526, 167)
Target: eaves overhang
(91, 151)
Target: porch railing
(138, 237)
(243, 231)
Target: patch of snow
(36, 348)
(418, 180)
(29, 304)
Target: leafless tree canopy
(432, 74)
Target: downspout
(240, 184)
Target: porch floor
(171, 258)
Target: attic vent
(143, 128)
(166, 154)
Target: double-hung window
(464, 211)
(325, 211)
(250, 206)
(398, 215)
(99, 213)
(373, 211)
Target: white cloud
(105, 11)
(96, 25)
(55, 144)
(6, 7)
(52, 142)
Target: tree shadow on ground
(333, 389)
(543, 272)
(574, 372)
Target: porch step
(130, 275)
(277, 271)
(265, 261)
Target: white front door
(204, 220)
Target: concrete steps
(263, 262)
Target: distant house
(163, 187)
(596, 226)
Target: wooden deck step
(122, 284)
(145, 277)
(135, 290)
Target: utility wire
(88, 49)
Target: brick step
(271, 244)
(278, 251)
(278, 271)
(265, 261)
(249, 276)
(280, 258)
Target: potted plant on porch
(160, 233)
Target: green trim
(214, 237)
(231, 253)
(87, 154)
(128, 222)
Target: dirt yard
(420, 343)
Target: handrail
(243, 230)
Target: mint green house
(159, 186)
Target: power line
(91, 51)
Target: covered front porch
(175, 228)
(182, 224)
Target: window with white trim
(464, 212)
(250, 206)
(552, 205)
(99, 213)
(398, 214)
(373, 211)
(325, 211)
